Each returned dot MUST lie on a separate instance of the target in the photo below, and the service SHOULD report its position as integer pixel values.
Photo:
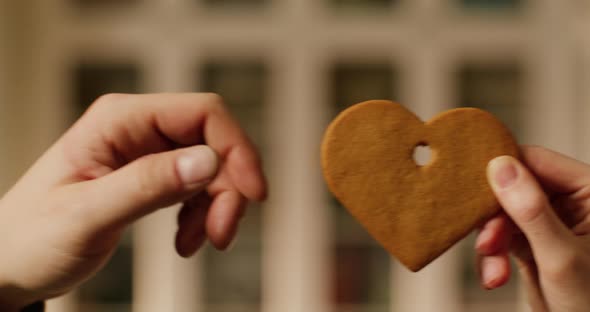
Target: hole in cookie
(422, 154)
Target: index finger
(556, 171)
(495, 235)
(203, 117)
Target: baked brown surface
(415, 212)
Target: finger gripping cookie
(416, 212)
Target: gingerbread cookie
(416, 212)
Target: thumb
(148, 183)
(525, 202)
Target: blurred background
(285, 68)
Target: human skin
(126, 157)
(545, 226)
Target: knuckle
(213, 98)
(155, 179)
(107, 101)
(212, 101)
(110, 99)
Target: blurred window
(111, 288)
(95, 4)
(357, 82)
(93, 80)
(236, 4)
(232, 279)
(243, 86)
(361, 267)
(362, 5)
(491, 4)
(495, 87)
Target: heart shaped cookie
(416, 212)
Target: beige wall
(19, 115)
(3, 97)
(584, 85)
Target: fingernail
(502, 171)
(231, 236)
(190, 242)
(197, 166)
(482, 239)
(490, 272)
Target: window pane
(111, 287)
(228, 4)
(94, 80)
(243, 88)
(95, 4)
(361, 267)
(491, 4)
(361, 4)
(496, 88)
(354, 83)
(232, 280)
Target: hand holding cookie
(546, 227)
